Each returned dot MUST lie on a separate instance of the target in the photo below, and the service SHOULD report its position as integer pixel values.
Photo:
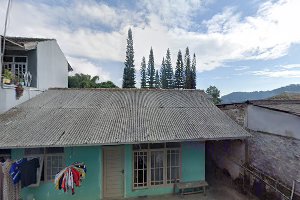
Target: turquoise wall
(91, 188)
(193, 161)
(193, 169)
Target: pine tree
(193, 73)
(163, 75)
(143, 74)
(157, 80)
(187, 70)
(169, 71)
(129, 70)
(151, 71)
(179, 72)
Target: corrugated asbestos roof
(70, 117)
(292, 108)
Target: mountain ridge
(237, 97)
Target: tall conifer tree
(193, 72)
(157, 80)
(169, 71)
(163, 75)
(187, 70)
(151, 70)
(143, 74)
(179, 72)
(129, 70)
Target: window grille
(156, 164)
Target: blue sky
(240, 45)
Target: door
(113, 172)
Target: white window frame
(43, 163)
(165, 152)
(14, 64)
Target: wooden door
(113, 172)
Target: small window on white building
(17, 65)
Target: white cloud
(277, 73)
(229, 37)
(81, 65)
(291, 66)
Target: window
(173, 166)
(51, 161)
(4, 154)
(156, 164)
(140, 169)
(16, 64)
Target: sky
(248, 45)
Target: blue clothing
(15, 172)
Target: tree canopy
(87, 81)
(129, 70)
(214, 93)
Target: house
(37, 63)
(274, 149)
(273, 116)
(134, 142)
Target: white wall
(8, 98)
(52, 66)
(269, 121)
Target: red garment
(76, 176)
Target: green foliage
(86, 81)
(214, 93)
(193, 73)
(151, 70)
(169, 71)
(157, 80)
(163, 75)
(129, 70)
(107, 84)
(8, 74)
(143, 74)
(187, 70)
(179, 80)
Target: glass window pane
(55, 150)
(140, 146)
(140, 169)
(173, 145)
(8, 59)
(157, 167)
(157, 145)
(20, 59)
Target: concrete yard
(216, 192)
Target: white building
(41, 58)
(280, 117)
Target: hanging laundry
(1, 181)
(15, 170)
(11, 191)
(29, 171)
(70, 176)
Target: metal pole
(4, 35)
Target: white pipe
(4, 35)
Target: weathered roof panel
(88, 117)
